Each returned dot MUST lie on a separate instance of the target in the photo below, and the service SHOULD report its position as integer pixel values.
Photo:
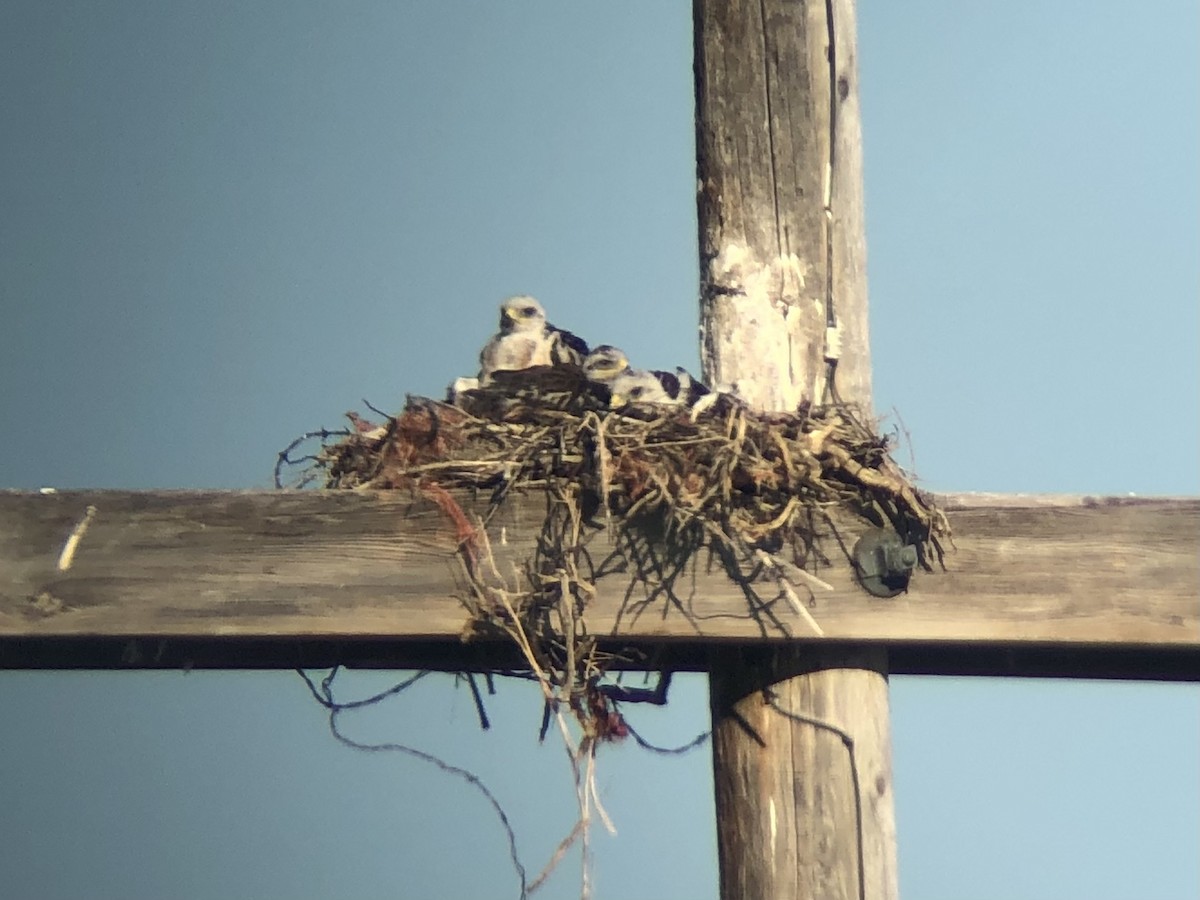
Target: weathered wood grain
(381, 565)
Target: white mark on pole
(734, 265)
(68, 551)
(791, 273)
(771, 818)
(761, 320)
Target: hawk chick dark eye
(528, 311)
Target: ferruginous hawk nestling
(526, 339)
(676, 388)
(604, 363)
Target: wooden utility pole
(801, 739)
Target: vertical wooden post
(801, 742)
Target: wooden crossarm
(253, 579)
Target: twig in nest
(788, 592)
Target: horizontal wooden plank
(110, 576)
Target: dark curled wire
(657, 695)
(668, 751)
(284, 458)
(848, 743)
(324, 696)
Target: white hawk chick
(526, 339)
(678, 388)
(640, 386)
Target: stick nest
(752, 491)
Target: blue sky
(224, 225)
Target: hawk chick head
(522, 314)
(604, 363)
